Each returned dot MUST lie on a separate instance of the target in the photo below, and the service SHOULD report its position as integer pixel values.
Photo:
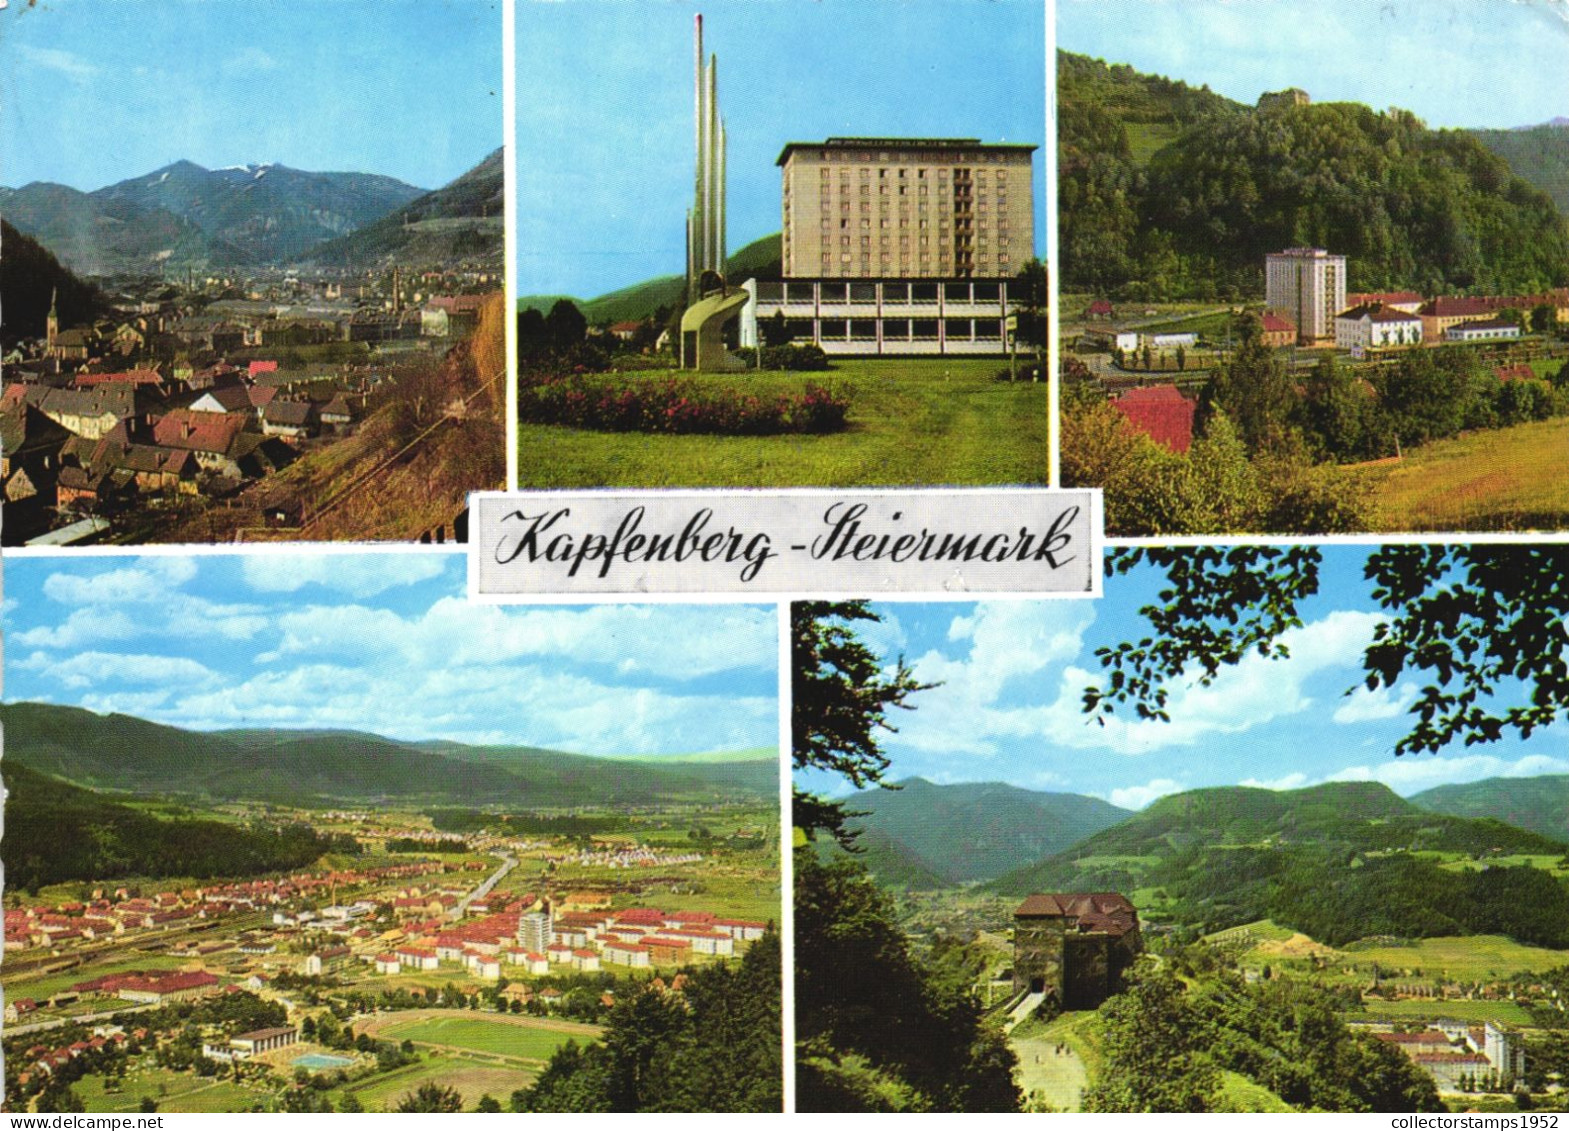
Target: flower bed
(620, 403)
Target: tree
(565, 325)
(1152, 1049)
(1480, 624)
(1544, 317)
(840, 702)
(431, 1096)
(350, 1103)
(1032, 291)
(488, 1104)
(776, 331)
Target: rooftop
(906, 144)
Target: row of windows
(864, 157)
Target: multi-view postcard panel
(1273, 827)
(310, 832)
(253, 271)
(1281, 861)
(1311, 285)
(765, 257)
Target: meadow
(1512, 479)
(912, 422)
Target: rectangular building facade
(906, 208)
(899, 245)
(1308, 286)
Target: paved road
(507, 864)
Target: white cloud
(1364, 706)
(150, 579)
(84, 669)
(72, 66)
(1138, 796)
(1289, 781)
(1413, 773)
(1255, 691)
(358, 575)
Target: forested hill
(1540, 154)
(968, 831)
(121, 753)
(30, 279)
(1338, 862)
(56, 832)
(1540, 804)
(1166, 191)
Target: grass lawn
(1238, 1093)
(481, 1035)
(912, 422)
(471, 1078)
(1510, 479)
(182, 1091)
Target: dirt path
(1059, 1077)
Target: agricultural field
(1513, 479)
(920, 422)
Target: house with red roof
(1161, 412)
(1278, 331)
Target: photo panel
(1315, 274)
(254, 270)
(788, 245)
(309, 831)
(1277, 829)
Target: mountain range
(923, 835)
(121, 754)
(1338, 862)
(253, 216)
(463, 220)
(1539, 804)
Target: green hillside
(1539, 804)
(1169, 192)
(978, 830)
(1539, 155)
(463, 220)
(1338, 862)
(56, 832)
(892, 863)
(759, 259)
(121, 753)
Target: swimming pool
(316, 1060)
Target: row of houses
(1453, 1052)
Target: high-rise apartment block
(535, 930)
(1308, 286)
(900, 245)
(896, 208)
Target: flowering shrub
(617, 403)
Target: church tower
(52, 323)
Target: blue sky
(96, 92)
(387, 643)
(604, 118)
(1012, 675)
(1454, 63)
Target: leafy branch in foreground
(1483, 625)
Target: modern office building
(1308, 286)
(900, 245)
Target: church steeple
(52, 324)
